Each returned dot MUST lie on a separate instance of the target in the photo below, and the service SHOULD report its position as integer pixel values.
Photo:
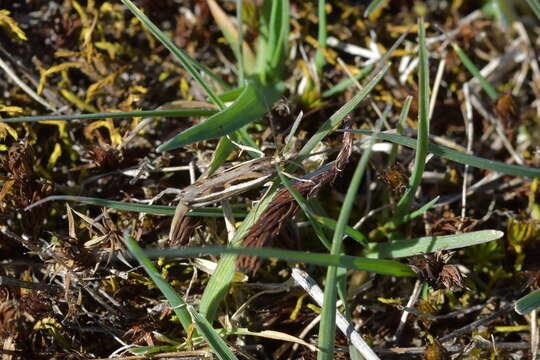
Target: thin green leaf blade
(410, 247)
(457, 156)
(135, 207)
(379, 266)
(373, 6)
(114, 115)
(423, 126)
(219, 347)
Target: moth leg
(179, 224)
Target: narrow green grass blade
(373, 6)
(344, 84)
(410, 247)
(114, 115)
(350, 231)
(251, 105)
(450, 154)
(322, 35)
(183, 58)
(423, 126)
(177, 303)
(219, 347)
(469, 64)
(402, 118)
(141, 208)
(361, 238)
(379, 266)
(528, 303)
(535, 7)
(279, 35)
(304, 206)
(412, 215)
(336, 118)
(327, 329)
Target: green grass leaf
(141, 208)
(373, 6)
(423, 126)
(535, 7)
(528, 303)
(114, 115)
(410, 247)
(219, 347)
(469, 64)
(450, 154)
(379, 266)
(252, 104)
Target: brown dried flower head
(395, 177)
(435, 270)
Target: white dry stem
(534, 334)
(312, 288)
(469, 129)
(412, 300)
(13, 76)
(436, 85)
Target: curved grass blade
(409, 247)
(304, 206)
(528, 303)
(469, 64)
(177, 303)
(183, 58)
(219, 347)
(373, 6)
(141, 208)
(450, 154)
(253, 103)
(379, 266)
(113, 115)
(344, 84)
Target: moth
(220, 186)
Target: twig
(412, 300)
(468, 328)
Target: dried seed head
(434, 270)
(395, 178)
(507, 110)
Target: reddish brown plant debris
(284, 206)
